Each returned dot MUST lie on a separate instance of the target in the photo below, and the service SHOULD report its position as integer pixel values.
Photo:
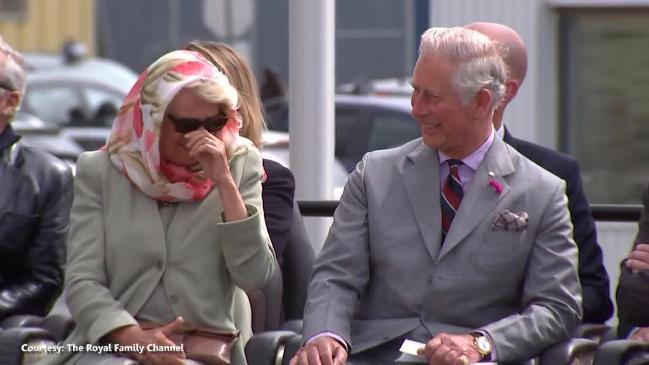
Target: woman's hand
(211, 154)
(131, 335)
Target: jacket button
(158, 264)
(173, 298)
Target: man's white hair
(478, 61)
(12, 72)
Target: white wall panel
(533, 115)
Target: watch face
(483, 345)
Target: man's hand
(448, 349)
(322, 351)
(642, 334)
(131, 335)
(638, 259)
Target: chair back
(296, 271)
(266, 304)
(621, 352)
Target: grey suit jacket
(382, 272)
(117, 253)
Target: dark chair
(298, 263)
(34, 331)
(624, 352)
(595, 331)
(266, 304)
(58, 326)
(11, 340)
(280, 304)
(572, 351)
(269, 348)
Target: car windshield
(87, 92)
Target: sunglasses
(186, 125)
(6, 87)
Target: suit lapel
(481, 198)
(147, 211)
(421, 181)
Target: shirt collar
(500, 132)
(8, 137)
(474, 159)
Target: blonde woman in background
(278, 188)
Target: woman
(167, 220)
(278, 188)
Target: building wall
(47, 24)
(533, 115)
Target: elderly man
(35, 198)
(454, 239)
(597, 303)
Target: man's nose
(417, 107)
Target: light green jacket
(117, 255)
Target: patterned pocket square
(509, 222)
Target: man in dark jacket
(597, 303)
(35, 199)
(633, 287)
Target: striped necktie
(451, 196)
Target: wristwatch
(482, 344)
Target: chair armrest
(565, 352)
(295, 325)
(21, 320)
(11, 340)
(592, 331)
(267, 348)
(609, 335)
(619, 351)
(639, 359)
(290, 348)
(58, 325)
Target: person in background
(278, 184)
(597, 303)
(35, 199)
(167, 219)
(278, 187)
(454, 239)
(633, 287)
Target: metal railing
(601, 212)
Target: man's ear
(11, 104)
(483, 103)
(511, 89)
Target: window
(102, 106)
(350, 136)
(54, 104)
(604, 100)
(391, 130)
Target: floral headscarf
(133, 144)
